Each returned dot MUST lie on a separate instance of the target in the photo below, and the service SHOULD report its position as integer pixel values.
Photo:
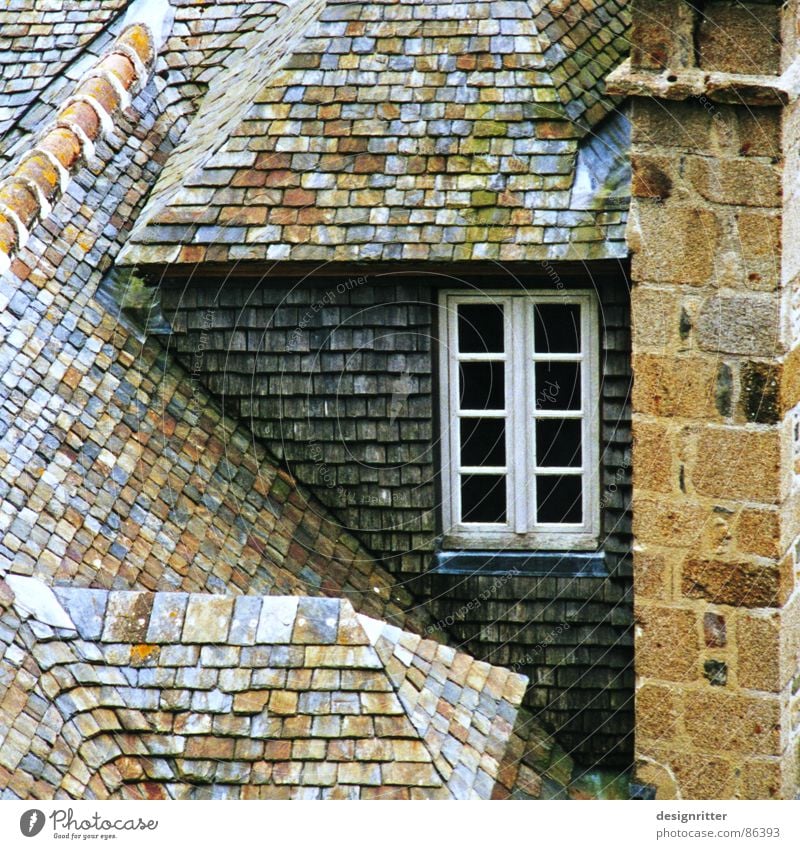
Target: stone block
(739, 38)
(414, 774)
(758, 531)
(668, 643)
(758, 651)
(127, 617)
(668, 523)
(244, 623)
(716, 721)
(166, 619)
(673, 244)
(655, 317)
(790, 380)
(179, 655)
(360, 773)
(715, 630)
(653, 456)
(767, 778)
(316, 621)
(653, 575)
(208, 619)
(738, 464)
(703, 776)
(252, 701)
(662, 35)
(758, 237)
(651, 176)
(737, 182)
(277, 620)
(748, 325)
(742, 583)
(86, 608)
(657, 712)
(759, 392)
(283, 702)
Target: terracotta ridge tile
(42, 173)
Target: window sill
(553, 564)
(505, 542)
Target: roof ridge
(42, 173)
(454, 757)
(374, 633)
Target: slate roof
(403, 130)
(118, 469)
(174, 695)
(125, 487)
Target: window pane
(557, 328)
(558, 386)
(480, 328)
(483, 498)
(558, 442)
(558, 498)
(482, 386)
(483, 442)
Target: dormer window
(519, 419)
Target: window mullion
(518, 413)
(454, 421)
(592, 417)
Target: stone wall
(337, 375)
(715, 397)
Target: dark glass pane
(558, 499)
(483, 498)
(558, 386)
(482, 386)
(480, 328)
(557, 328)
(483, 442)
(558, 442)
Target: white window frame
(521, 529)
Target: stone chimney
(716, 418)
